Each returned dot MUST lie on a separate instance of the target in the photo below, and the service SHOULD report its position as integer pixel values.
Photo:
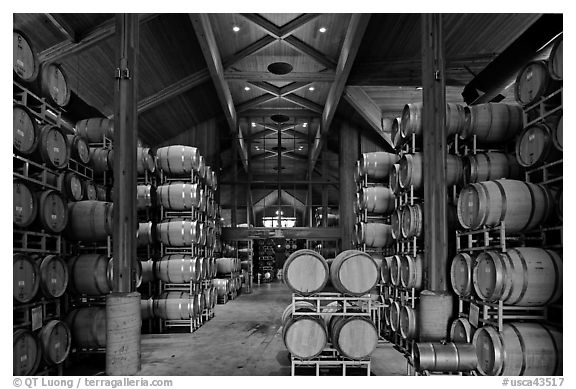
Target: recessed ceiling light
(257, 147)
(235, 28)
(246, 88)
(322, 30)
(311, 88)
(253, 124)
(304, 124)
(301, 148)
(419, 88)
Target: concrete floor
(244, 338)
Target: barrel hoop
(533, 207)
(183, 149)
(556, 350)
(523, 348)
(457, 354)
(524, 272)
(168, 196)
(167, 159)
(504, 201)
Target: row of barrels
(404, 271)
(176, 196)
(185, 268)
(522, 276)
(351, 272)
(175, 305)
(521, 348)
(306, 336)
(376, 235)
(180, 160)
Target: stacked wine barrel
(518, 197)
(310, 326)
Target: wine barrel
(52, 211)
(377, 199)
(354, 337)
(520, 205)
(376, 165)
(556, 59)
(305, 336)
(454, 170)
(531, 349)
(395, 309)
(90, 221)
(26, 278)
(222, 286)
(146, 234)
(461, 274)
(54, 84)
(145, 161)
(72, 186)
(25, 130)
(557, 137)
(407, 322)
(396, 224)
(411, 271)
(88, 327)
(455, 119)
(374, 234)
(444, 357)
(90, 191)
(524, 276)
(393, 177)
(410, 172)
(412, 223)
(533, 83)
(101, 160)
(461, 331)
(305, 272)
(493, 122)
(385, 270)
(489, 166)
(535, 145)
(26, 353)
(353, 272)
(411, 121)
(226, 266)
(179, 196)
(53, 147)
(90, 274)
(145, 197)
(95, 129)
(178, 160)
(434, 315)
(174, 306)
(199, 303)
(55, 341)
(395, 268)
(79, 149)
(25, 204)
(25, 65)
(53, 275)
(202, 234)
(396, 135)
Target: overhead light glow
(304, 124)
(311, 88)
(322, 30)
(419, 88)
(253, 124)
(246, 88)
(235, 28)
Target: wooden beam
(368, 109)
(262, 134)
(266, 87)
(173, 90)
(303, 102)
(308, 50)
(290, 27)
(243, 233)
(254, 102)
(62, 26)
(290, 77)
(296, 134)
(207, 41)
(347, 156)
(354, 34)
(264, 24)
(85, 41)
(293, 87)
(266, 112)
(435, 150)
(248, 50)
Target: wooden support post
(123, 349)
(279, 175)
(324, 190)
(347, 159)
(310, 205)
(434, 145)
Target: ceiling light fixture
(253, 124)
(322, 30)
(304, 124)
(311, 88)
(246, 88)
(235, 28)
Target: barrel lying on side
(95, 129)
(305, 272)
(25, 130)
(376, 165)
(178, 268)
(90, 274)
(52, 211)
(490, 166)
(26, 353)
(55, 341)
(461, 274)
(461, 331)
(174, 306)
(374, 234)
(179, 196)
(178, 160)
(377, 199)
(54, 275)
(353, 272)
(53, 147)
(90, 220)
(54, 84)
(355, 337)
(178, 232)
(26, 278)
(305, 336)
(88, 327)
(444, 357)
(535, 144)
(493, 122)
(534, 82)
(79, 149)
(25, 64)
(25, 205)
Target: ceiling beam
(98, 34)
(262, 134)
(266, 112)
(293, 87)
(248, 50)
(207, 41)
(296, 134)
(355, 32)
(264, 24)
(367, 108)
(290, 77)
(266, 87)
(254, 102)
(62, 26)
(308, 50)
(290, 27)
(303, 102)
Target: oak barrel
(174, 306)
(533, 83)
(374, 234)
(53, 275)
(90, 274)
(25, 131)
(461, 274)
(376, 165)
(90, 191)
(72, 186)
(412, 221)
(393, 177)
(55, 341)
(52, 211)
(411, 271)
(25, 65)
(79, 149)
(407, 322)
(146, 234)
(395, 267)
(493, 122)
(353, 272)
(385, 270)
(535, 145)
(396, 223)
(222, 286)
(25, 205)
(90, 221)
(355, 337)
(178, 160)
(25, 278)
(395, 309)
(556, 60)
(305, 272)
(227, 265)
(412, 116)
(88, 327)
(377, 199)
(444, 357)
(95, 129)
(179, 196)
(145, 197)
(305, 336)
(461, 331)
(524, 276)
(101, 160)
(490, 166)
(26, 353)
(54, 84)
(145, 161)
(434, 315)
(520, 205)
(53, 147)
(396, 135)
(531, 349)
(410, 172)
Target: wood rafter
(254, 102)
(248, 50)
(293, 112)
(62, 26)
(308, 77)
